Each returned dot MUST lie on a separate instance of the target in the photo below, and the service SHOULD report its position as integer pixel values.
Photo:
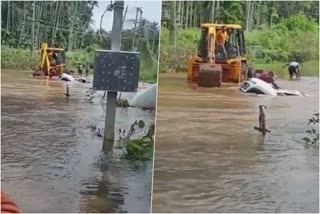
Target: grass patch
(18, 59)
(140, 149)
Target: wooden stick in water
(262, 120)
(67, 94)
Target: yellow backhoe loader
(52, 62)
(213, 65)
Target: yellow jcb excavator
(211, 64)
(52, 61)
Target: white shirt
(295, 64)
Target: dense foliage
(250, 14)
(61, 23)
(141, 149)
(286, 41)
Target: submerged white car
(145, 98)
(257, 86)
(69, 78)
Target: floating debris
(89, 95)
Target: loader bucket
(210, 75)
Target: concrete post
(112, 95)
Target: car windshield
(245, 85)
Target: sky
(151, 11)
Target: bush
(141, 148)
(294, 38)
(297, 23)
(80, 56)
(24, 59)
(175, 59)
(18, 58)
(313, 133)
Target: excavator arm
(211, 44)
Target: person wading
(80, 69)
(269, 78)
(293, 68)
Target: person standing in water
(293, 68)
(87, 69)
(80, 69)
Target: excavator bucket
(210, 75)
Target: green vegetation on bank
(313, 132)
(22, 59)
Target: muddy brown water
(208, 157)
(50, 162)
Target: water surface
(208, 157)
(50, 160)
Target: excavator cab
(233, 63)
(52, 61)
(235, 39)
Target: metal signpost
(115, 71)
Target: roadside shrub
(175, 59)
(313, 133)
(18, 58)
(79, 56)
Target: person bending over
(269, 78)
(293, 68)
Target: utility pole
(140, 22)
(135, 23)
(33, 16)
(172, 25)
(139, 10)
(135, 28)
(112, 95)
(124, 16)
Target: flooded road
(208, 157)
(50, 160)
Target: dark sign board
(116, 71)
